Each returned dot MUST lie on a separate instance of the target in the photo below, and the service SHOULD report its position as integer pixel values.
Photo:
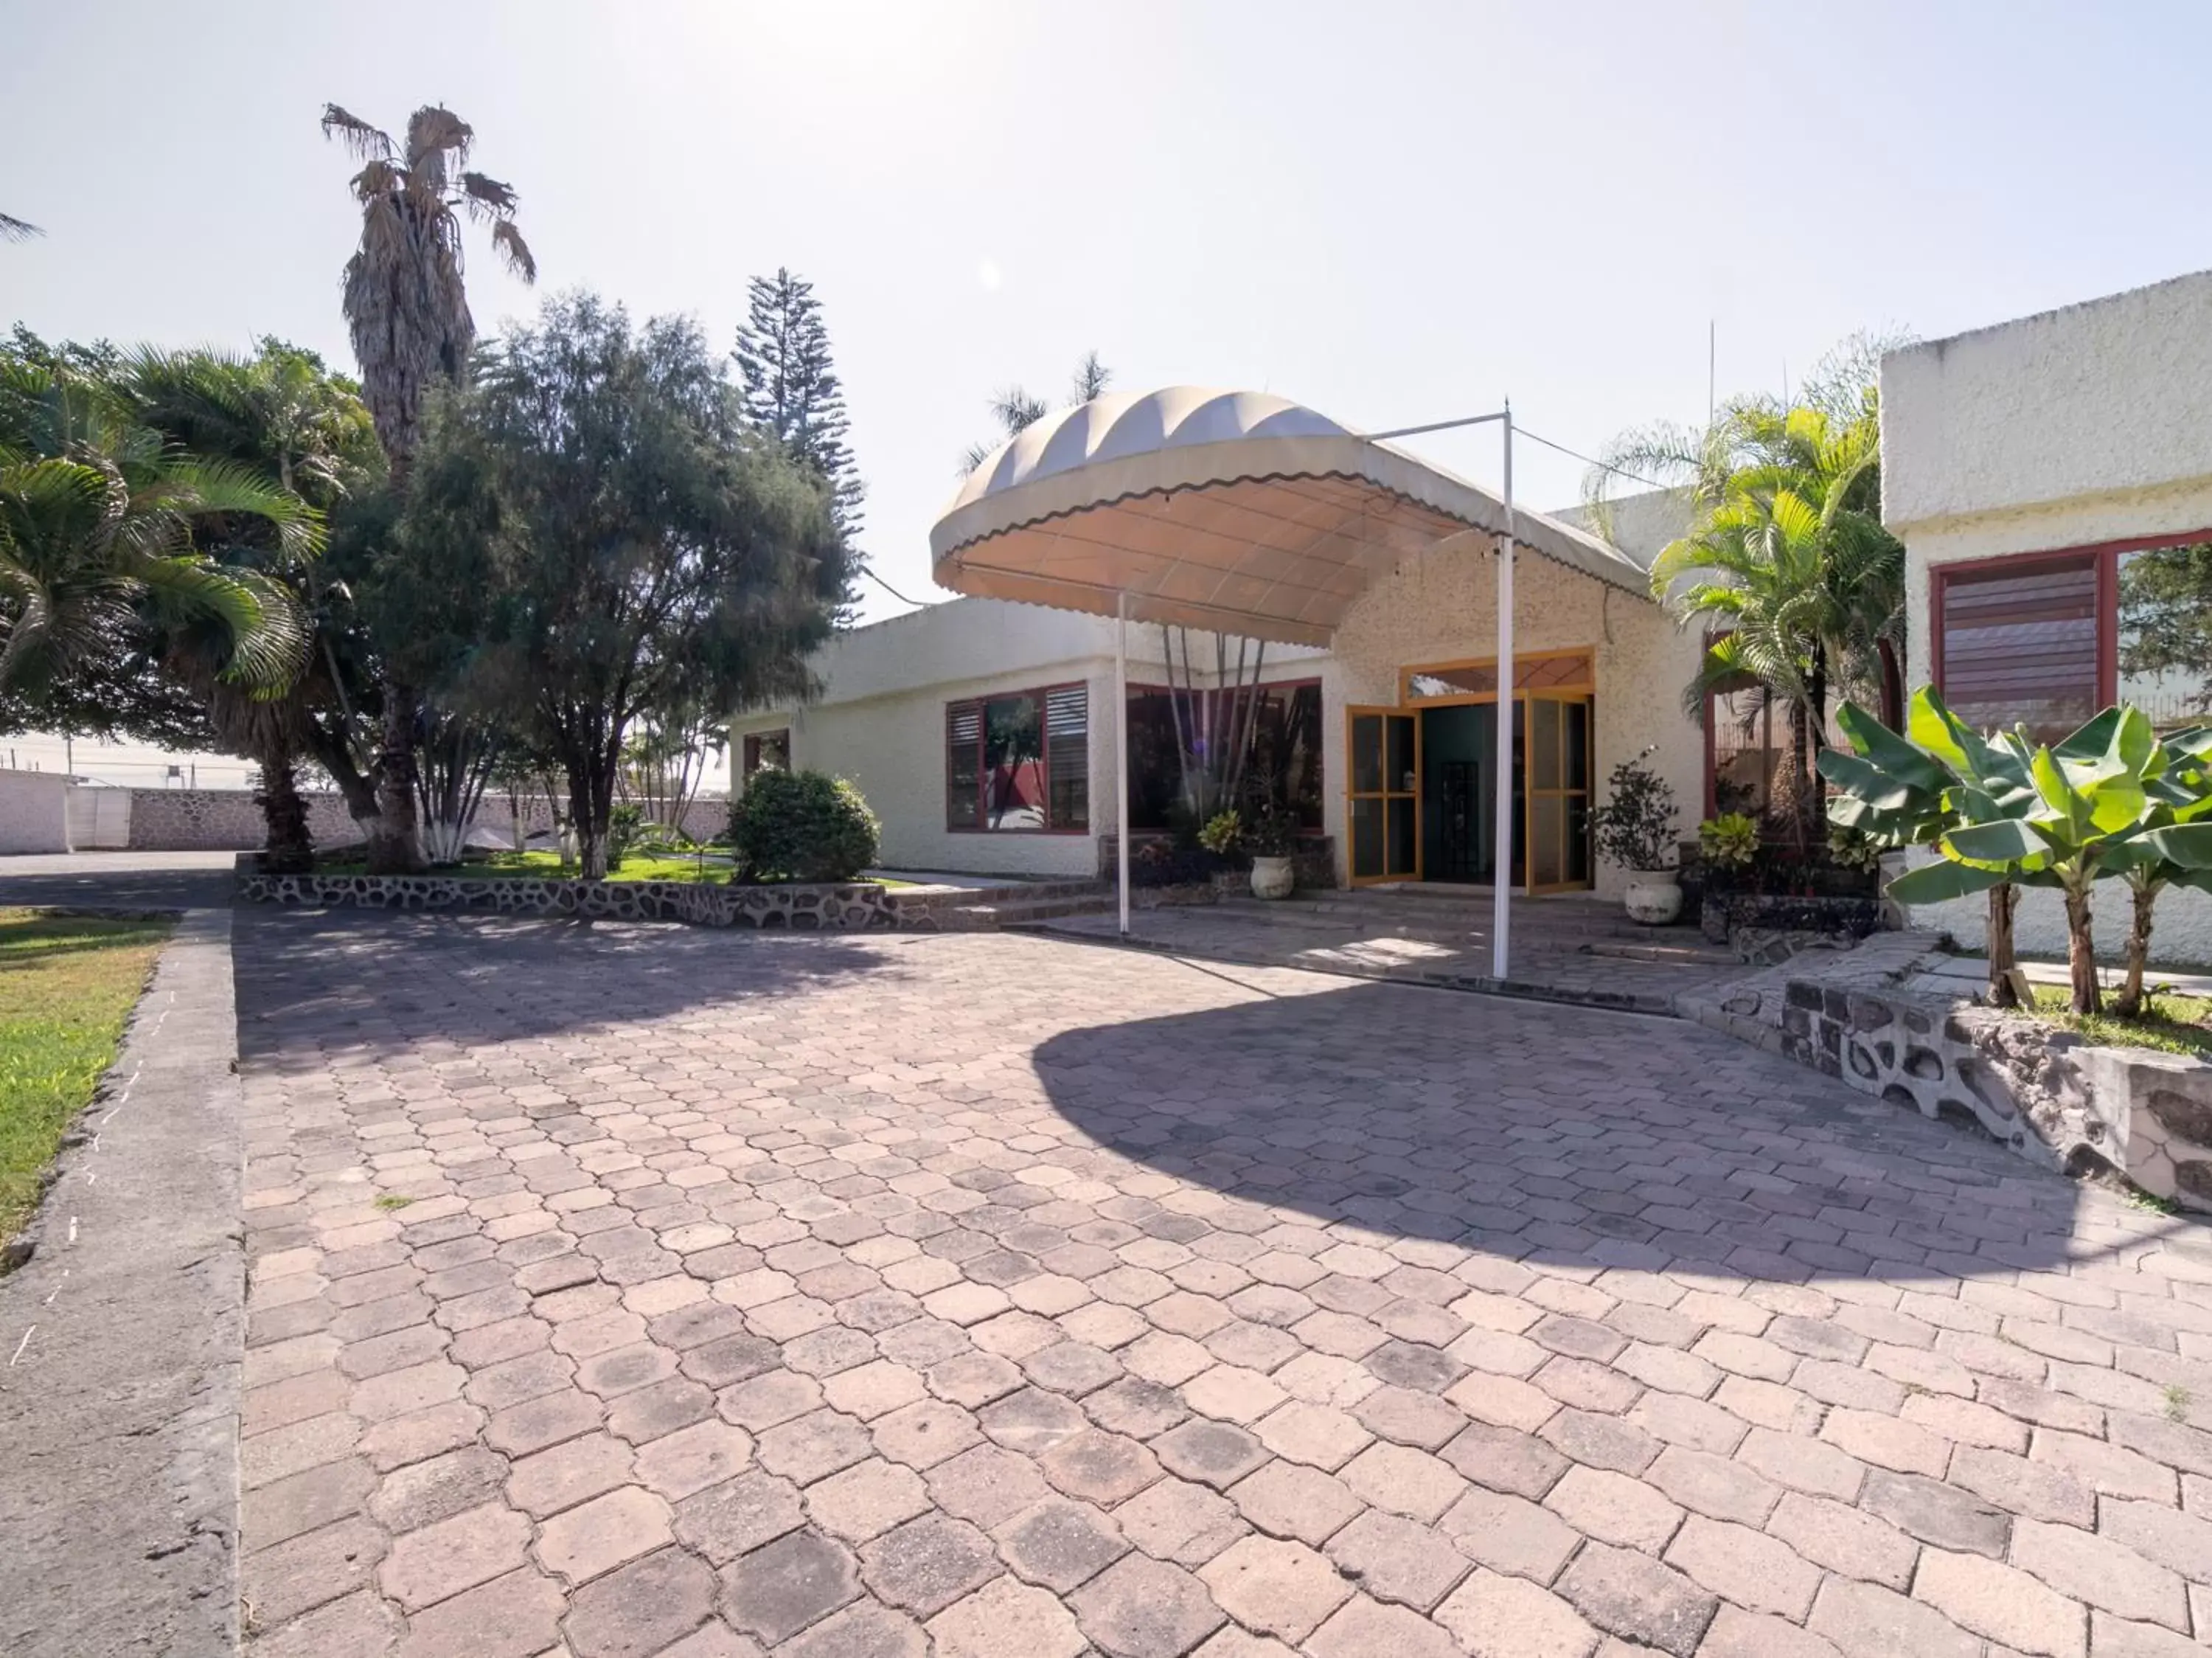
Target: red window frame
(1149, 687)
(1044, 755)
(2104, 556)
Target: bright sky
(1396, 213)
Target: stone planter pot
(1654, 898)
(1273, 877)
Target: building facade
(2052, 480)
(981, 730)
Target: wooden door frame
(1529, 699)
(1360, 711)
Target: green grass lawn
(67, 983)
(2171, 1023)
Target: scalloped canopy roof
(1239, 512)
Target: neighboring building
(981, 730)
(2052, 480)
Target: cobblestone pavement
(1002, 1297)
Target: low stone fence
(847, 907)
(2052, 1098)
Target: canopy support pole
(1121, 753)
(1501, 887)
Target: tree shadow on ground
(387, 980)
(1585, 1138)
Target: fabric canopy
(1235, 512)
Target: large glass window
(2163, 638)
(1285, 743)
(1019, 761)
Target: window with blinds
(1067, 757)
(963, 766)
(1019, 760)
(2020, 643)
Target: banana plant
(2180, 793)
(2113, 799)
(1896, 789)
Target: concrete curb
(121, 1345)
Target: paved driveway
(1010, 1298)
(119, 881)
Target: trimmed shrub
(801, 826)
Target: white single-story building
(2052, 480)
(981, 730)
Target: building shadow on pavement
(386, 980)
(1577, 1136)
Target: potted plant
(1635, 828)
(1267, 835)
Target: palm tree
(407, 306)
(305, 431)
(98, 518)
(405, 300)
(17, 229)
(1785, 561)
(1017, 411)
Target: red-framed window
(2045, 639)
(1286, 734)
(1019, 761)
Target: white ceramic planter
(1654, 898)
(1276, 877)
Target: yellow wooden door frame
(1353, 793)
(1565, 796)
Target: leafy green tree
(792, 391)
(636, 547)
(406, 305)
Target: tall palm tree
(407, 306)
(281, 414)
(17, 229)
(406, 301)
(98, 518)
(1788, 567)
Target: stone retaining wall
(849, 907)
(2052, 1098)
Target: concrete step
(1014, 911)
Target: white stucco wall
(33, 812)
(2076, 426)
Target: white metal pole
(1501, 892)
(1121, 753)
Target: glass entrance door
(1383, 794)
(1558, 789)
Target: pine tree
(791, 390)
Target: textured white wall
(2080, 426)
(1443, 607)
(33, 812)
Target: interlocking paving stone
(1004, 1295)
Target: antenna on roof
(1712, 351)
